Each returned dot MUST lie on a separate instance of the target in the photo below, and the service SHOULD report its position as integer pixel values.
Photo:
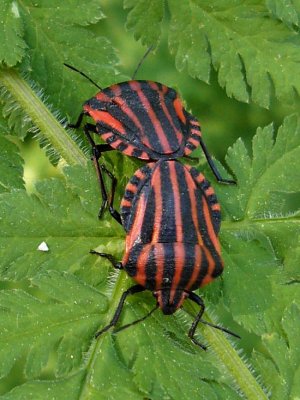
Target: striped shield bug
(172, 218)
(142, 119)
(169, 211)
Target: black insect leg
(97, 150)
(199, 301)
(111, 209)
(111, 258)
(137, 320)
(213, 166)
(220, 328)
(113, 322)
(78, 122)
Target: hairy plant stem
(42, 118)
(229, 358)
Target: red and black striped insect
(142, 119)
(172, 218)
(169, 211)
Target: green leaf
(143, 17)
(59, 32)
(268, 184)
(40, 326)
(286, 10)
(280, 363)
(253, 48)
(11, 166)
(253, 53)
(12, 45)
(47, 389)
(24, 228)
(56, 33)
(262, 215)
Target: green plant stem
(40, 115)
(230, 359)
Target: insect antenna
(141, 61)
(83, 74)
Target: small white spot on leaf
(43, 247)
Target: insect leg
(114, 181)
(213, 166)
(199, 301)
(220, 328)
(113, 322)
(78, 122)
(137, 320)
(111, 258)
(97, 150)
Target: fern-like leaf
(253, 53)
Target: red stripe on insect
(210, 229)
(131, 187)
(196, 267)
(128, 111)
(194, 122)
(210, 191)
(117, 143)
(130, 151)
(103, 97)
(179, 255)
(178, 134)
(216, 207)
(133, 235)
(211, 265)
(107, 135)
(158, 207)
(193, 141)
(196, 132)
(126, 203)
(105, 117)
(200, 178)
(159, 255)
(177, 205)
(140, 174)
(140, 276)
(164, 89)
(179, 110)
(152, 116)
(193, 201)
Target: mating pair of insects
(169, 210)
